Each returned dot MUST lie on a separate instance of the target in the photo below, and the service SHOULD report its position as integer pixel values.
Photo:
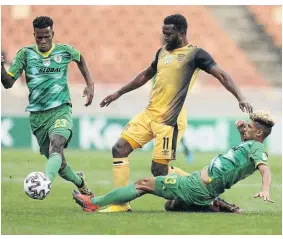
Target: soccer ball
(37, 185)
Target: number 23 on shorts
(60, 123)
(170, 179)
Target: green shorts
(190, 189)
(54, 121)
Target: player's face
(171, 37)
(251, 132)
(43, 38)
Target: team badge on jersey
(58, 58)
(46, 62)
(168, 59)
(181, 57)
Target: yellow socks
(121, 172)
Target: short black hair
(178, 20)
(266, 128)
(42, 22)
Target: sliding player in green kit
(46, 67)
(201, 188)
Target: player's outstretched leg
(55, 157)
(84, 201)
(116, 196)
(57, 164)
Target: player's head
(259, 127)
(174, 30)
(43, 33)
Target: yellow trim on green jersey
(45, 54)
(10, 73)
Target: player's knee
(158, 169)
(57, 143)
(142, 186)
(121, 149)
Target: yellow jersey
(176, 72)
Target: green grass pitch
(58, 214)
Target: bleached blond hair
(264, 120)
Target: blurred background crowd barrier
(120, 41)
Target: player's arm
(207, 63)
(266, 182)
(89, 89)
(6, 80)
(241, 126)
(139, 80)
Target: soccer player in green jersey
(46, 67)
(201, 188)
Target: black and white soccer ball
(37, 185)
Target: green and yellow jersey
(238, 163)
(46, 74)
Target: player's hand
(245, 106)
(241, 125)
(109, 99)
(2, 60)
(264, 195)
(89, 93)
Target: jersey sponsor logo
(181, 57)
(168, 59)
(58, 58)
(51, 70)
(46, 62)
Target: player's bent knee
(145, 185)
(57, 143)
(158, 169)
(141, 182)
(121, 149)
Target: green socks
(53, 165)
(68, 174)
(119, 195)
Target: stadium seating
(120, 41)
(271, 18)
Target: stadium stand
(119, 41)
(271, 18)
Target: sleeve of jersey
(18, 65)
(76, 55)
(155, 60)
(204, 60)
(258, 155)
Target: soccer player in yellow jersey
(175, 68)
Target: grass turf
(58, 214)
